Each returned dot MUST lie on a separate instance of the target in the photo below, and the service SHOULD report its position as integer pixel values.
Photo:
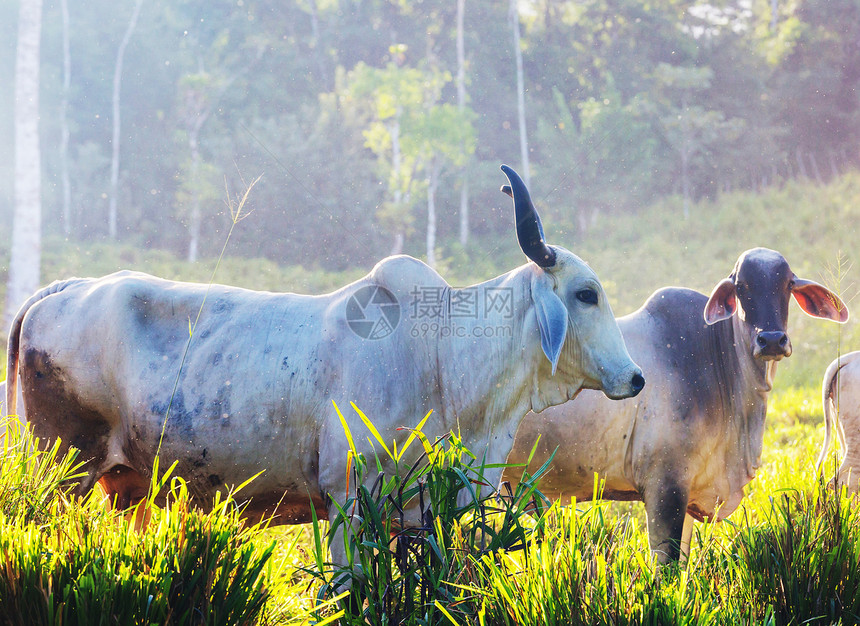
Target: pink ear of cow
(818, 301)
(722, 304)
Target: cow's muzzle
(772, 345)
(627, 386)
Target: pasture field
(789, 555)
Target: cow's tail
(829, 401)
(15, 340)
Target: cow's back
(112, 367)
(109, 365)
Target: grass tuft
(69, 560)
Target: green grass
(68, 560)
(789, 555)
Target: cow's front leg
(687, 537)
(666, 507)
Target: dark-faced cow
(99, 359)
(840, 397)
(693, 439)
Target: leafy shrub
(402, 573)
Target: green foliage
(75, 561)
(803, 562)
(409, 130)
(788, 555)
(34, 482)
(589, 567)
(66, 259)
(795, 560)
(798, 564)
(269, 81)
(414, 538)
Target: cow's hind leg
(666, 508)
(55, 412)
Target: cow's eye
(588, 296)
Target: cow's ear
(551, 316)
(818, 301)
(723, 302)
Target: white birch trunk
(397, 192)
(64, 124)
(521, 98)
(432, 185)
(27, 220)
(461, 104)
(196, 219)
(117, 83)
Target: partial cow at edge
(692, 440)
(98, 359)
(5, 417)
(840, 398)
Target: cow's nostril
(772, 342)
(637, 382)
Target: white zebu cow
(692, 441)
(840, 396)
(99, 359)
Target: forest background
(378, 125)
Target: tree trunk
(800, 166)
(318, 46)
(117, 82)
(686, 153)
(394, 184)
(64, 124)
(521, 99)
(25, 255)
(834, 170)
(685, 180)
(461, 104)
(815, 169)
(195, 219)
(432, 185)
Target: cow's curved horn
(529, 229)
